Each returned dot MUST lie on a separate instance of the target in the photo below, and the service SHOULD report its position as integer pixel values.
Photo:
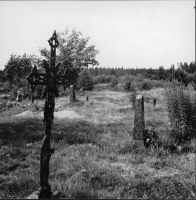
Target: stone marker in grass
(72, 94)
(155, 102)
(139, 123)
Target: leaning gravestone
(139, 124)
(72, 94)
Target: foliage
(152, 74)
(39, 91)
(191, 68)
(146, 84)
(132, 96)
(85, 80)
(2, 77)
(193, 80)
(127, 82)
(102, 79)
(181, 104)
(181, 76)
(17, 68)
(161, 73)
(114, 81)
(14, 91)
(158, 84)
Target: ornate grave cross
(51, 79)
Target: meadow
(94, 156)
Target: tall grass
(94, 157)
(181, 105)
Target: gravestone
(139, 123)
(72, 94)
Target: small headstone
(139, 124)
(72, 94)
(155, 102)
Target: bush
(127, 82)
(146, 84)
(39, 91)
(181, 104)
(14, 90)
(114, 81)
(102, 79)
(132, 96)
(158, 84)
(85, 80)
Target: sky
(132, 34)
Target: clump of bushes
(85, 80)
(181, 104)
(114, 81)
(158, 84)
(127, 82)
(146, 84)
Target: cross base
(45, 194)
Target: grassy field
(94, 156)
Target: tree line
(155, 74)
(76, 54)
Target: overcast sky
(131, 34)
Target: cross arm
(35, 78)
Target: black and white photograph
(97, 99)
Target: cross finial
(53, 38)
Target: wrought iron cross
(51, 79)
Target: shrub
(39, 91)
(158, 84)
(181, 104)
(146, 84)
(101, 79)
(127, 82)
(85, 80)
(14, 91)
(114, 81)
(132, 96)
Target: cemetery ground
(94, 156)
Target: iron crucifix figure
(51, 79)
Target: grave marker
(50, 79)
(72, 94)
(139, 123)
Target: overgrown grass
(181, 105)
(94, 157)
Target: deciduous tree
(74, 53)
